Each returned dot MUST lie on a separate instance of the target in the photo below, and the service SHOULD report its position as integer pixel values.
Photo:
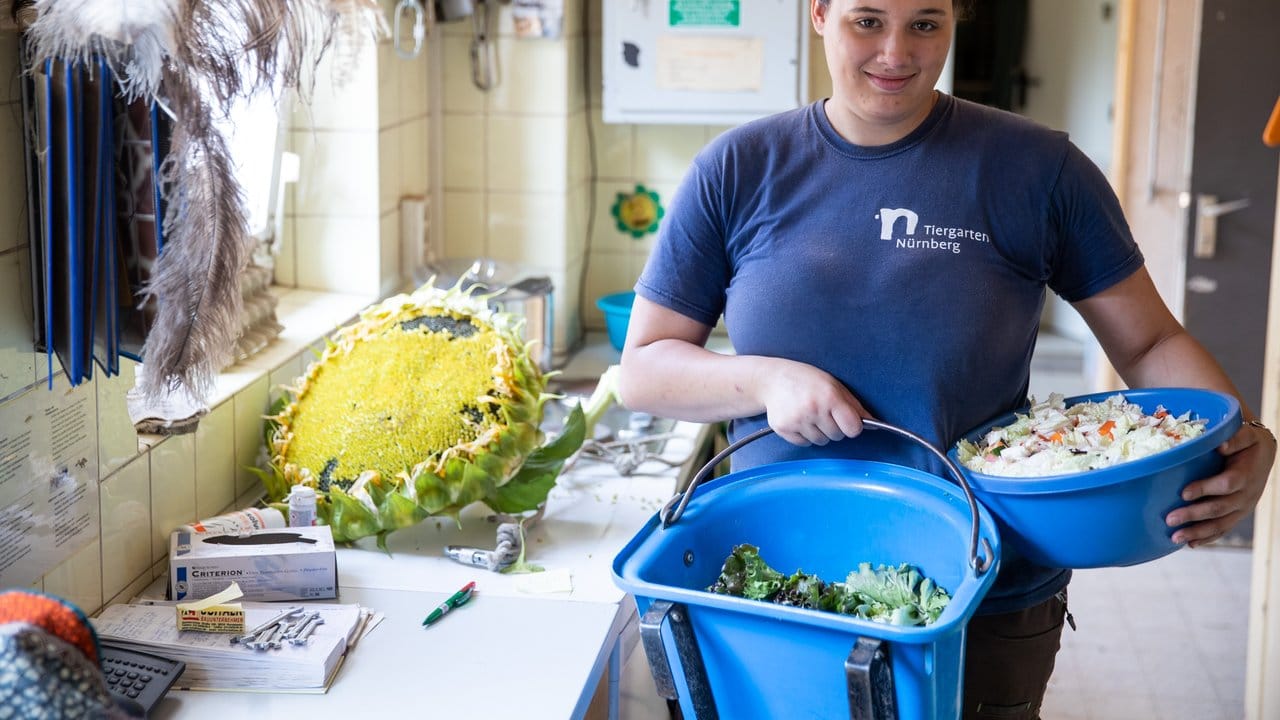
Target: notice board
(717, 62)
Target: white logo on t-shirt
(936, 237)
(889, 216)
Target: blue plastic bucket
(1113, 516)
(617, 315)
(762, 660)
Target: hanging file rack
(92, 160)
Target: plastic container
(617, 315)
(1113, 516)
(302, 506)
(240, 522)
(760, 660)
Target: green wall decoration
(638, 213)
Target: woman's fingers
(1207, 531)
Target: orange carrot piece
(1106, 429)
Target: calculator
(137, 676)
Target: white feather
(134, 35)
(122, 21)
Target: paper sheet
(710, 63)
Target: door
(1232, 196)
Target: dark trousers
(1008, 661)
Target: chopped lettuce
(898, 595)
(746, 575)
(1053, 438)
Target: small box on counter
(296, 563)
(214, 614)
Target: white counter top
(506, 653)
(496, 657)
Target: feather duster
(196, 58)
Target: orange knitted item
(53, 616)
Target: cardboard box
(293, 563)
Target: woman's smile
(889, 83)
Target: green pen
(455, 600)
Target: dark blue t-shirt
(913, 272)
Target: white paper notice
(48, 480)
(708, 63)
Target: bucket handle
(675, 507)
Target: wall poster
(48, 479)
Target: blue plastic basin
(617, 315)
(823, 516)
(1113, 516)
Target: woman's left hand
(1218, 503)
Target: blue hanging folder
(76, 347)
(103, 312)
(51, 226)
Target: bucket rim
(1224, 423)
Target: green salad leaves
(894, 595)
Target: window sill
(308, 316)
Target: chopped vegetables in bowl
(1053, 439)
(1104, 504)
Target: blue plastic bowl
(763, 660)
(1113, 516)
(617, 315)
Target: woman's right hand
(807, 406)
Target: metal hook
(419, 27)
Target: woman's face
(884, 57)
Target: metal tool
(252, 635)
(304, 634)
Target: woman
(885, 253)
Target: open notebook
(214, 663)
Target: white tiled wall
(215, 467)
(173, 490)
(17, 358)
(125, 502)
(363, 144)
(519, 155)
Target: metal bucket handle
(980, 563)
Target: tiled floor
(1164, 640)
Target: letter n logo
(890, 216)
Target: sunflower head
(427, 403)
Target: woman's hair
(961, 8)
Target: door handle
(1208, 209)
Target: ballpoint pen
(455, 600)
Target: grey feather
(196, 283)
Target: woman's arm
(666, 370)
(1150, 348)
